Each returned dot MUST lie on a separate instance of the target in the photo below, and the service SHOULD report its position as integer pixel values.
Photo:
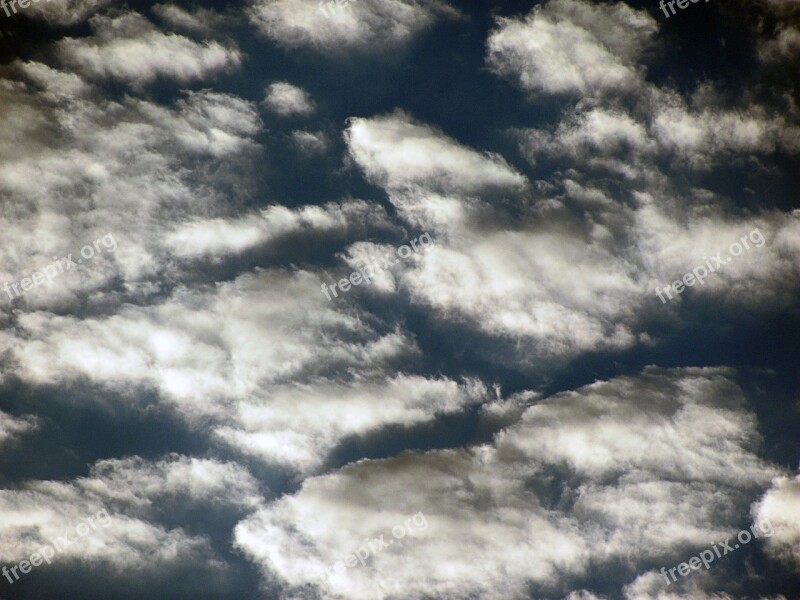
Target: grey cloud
(12, 427)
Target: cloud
(198, 20)
(571, 46)
(287, 100)
(201, 357)
(706, 133)
(130, 491)
(485, 268)
(571, 272)
(360, 24)
(310, 143)
(81, 167)
(297, 426)
(218, 237)
(780, 507)
(66, 12)
(291, 403)
(782, 42)
(131, 49)
(13, 427)
(397, 152)
(505, 520)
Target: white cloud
(297, 426)
(555, 283)
(198, 20)
(571, 46)
(397, 152)
(130, 48)
(196, 347)
(286, 100)
(780, 507)
(113, 167)
(362, 24)
(219, 237)
(128, 490)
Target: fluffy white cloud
(571, 46)
(111, 168)
(120, 496)
(130, 48)
(297, 426)
(642, 484)
(703, 133)
(509, 279)
(397, 152)
(558, 283)
(780, 507)
(696, 135)
(373, 24)
(219, 237)
(286, 100)
(196, 347)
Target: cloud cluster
(196, 350)
(550, 259)
(127, 489)
(297, 426)
(200, 20)
(629, 471)
(564, 284)
(87, 166)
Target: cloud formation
(638, 483)
(373, 24)
(287, 100)
(571, 46)
(131, 49)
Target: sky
(400, 299)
